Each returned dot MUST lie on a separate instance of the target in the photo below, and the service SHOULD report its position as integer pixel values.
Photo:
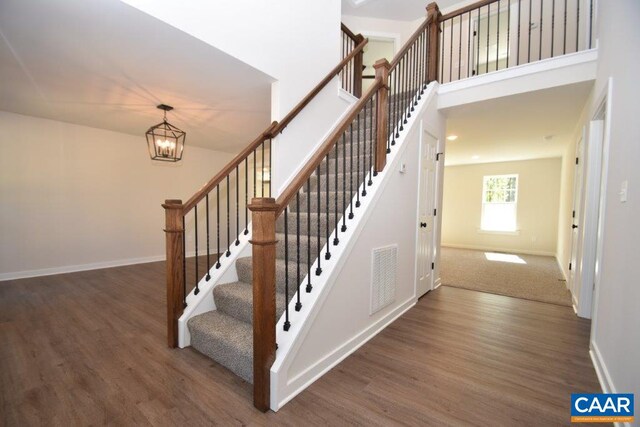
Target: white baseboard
(495, 249)
(324, 365)
(603, 374)
(80, 267)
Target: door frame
(436, 192)
(594, 205)
(577, 208)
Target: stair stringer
(294, 369)
(203, 302)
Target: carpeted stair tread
(304, 244)
(226, 340)
(314, 218)
(236, 300)
(244, 267)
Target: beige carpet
(531, 277)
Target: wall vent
(383, 277)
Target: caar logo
(601, 408)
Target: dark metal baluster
(396, 101)
(358, 165)
(564, 39)
(335, 186)
(372, 132)
(390, 131)
(287, 324)
(197, 276)
(237, 206)
(262, 171)
(415, 73)
(529, 41)
(208, 277)
(270, 160)
(318, 269)
(519, 8)
(590, 22)
(478, 44)
(309, 287)
(184, 264)
(459, 46)
(469, 65)
(498, 36)
(553, 24)
(450, 48)
(344, 181)
(577, 24)
(442, 40)
(508, 30)
(218, 223)
(350, 171)
(255, 173)
(228, 225)
(298, 303)
(246, 195)
(364, 150)
(327, 187)
(405, 91)
(488, 32)
(540, 31)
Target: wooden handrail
(307, 99)
(324, 149)
(237, 160)
(348, 32)
(271, 132)
(409, 43)
(466, 9)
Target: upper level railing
(213, 219)
(317, 206)
(493, 35)
(351, 75)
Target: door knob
(423, 224)
(574, 226)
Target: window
(499, 203)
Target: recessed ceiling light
(452, 137)
(475, 157)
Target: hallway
(531, 277)
(90, 348)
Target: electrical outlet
(403, 167)
(624, 188)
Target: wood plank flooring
(89, 348)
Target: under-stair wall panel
(340, 320)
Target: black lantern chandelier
(165, 141)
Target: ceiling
(514, 127)
(398, 10)
(104, 64)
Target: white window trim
(513, 232)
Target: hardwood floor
(89, 348)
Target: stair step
(244, 266)
(315, 218)
(350, 162)
(304, 244)
(344, 182)
(339, 198)
(224, 339)
(236, 300)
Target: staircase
(226, 334)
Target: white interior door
(577, 206)
(426, 205)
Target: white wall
(537, 214)
(616, 321)
(295, 42)
(75, 197)
(335, 318)
(400, 31)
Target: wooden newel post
(174, 232)
(433, 17)
(382, 68)
(357, 68)
(263, 239)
